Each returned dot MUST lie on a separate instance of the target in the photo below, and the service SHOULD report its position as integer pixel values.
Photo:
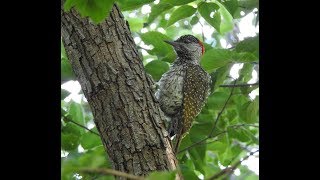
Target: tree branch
(229, 170)
(239, 85)
(220, 133)
(80, 125)
(224, 106)
(200, 142)
(104, 171)
(239, 125)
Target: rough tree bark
(106, 63)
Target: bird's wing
(196, 88)
(170, 92)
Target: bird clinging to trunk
(184, 89)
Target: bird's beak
(172, 43)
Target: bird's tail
(178, 141)
(175, 128)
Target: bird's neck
(183, 60)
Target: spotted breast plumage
(184, 89)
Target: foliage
(236, 129)
(96, 9)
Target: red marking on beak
(202, 46)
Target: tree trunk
(106, 63)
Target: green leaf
(69, 4)
(223, 122)
(215, 58)
(203, 120)
(181, 13)
(69, 142)
(245, 74)
(197, 133)
(207, 46)
(97, 10)
(232, 116)
(66, 71)
(185, 160)
(162, 175)
(248, 112)
(177, 2)
(90, 140)
(217, 100)
(217, 147)
(238, 133)
(231, 6)
(244, 57)
(216, 21)
(236, 150)
(70, 128)
(185, 142)
(158, 9)
(197, 160)
(222, 20)
(136, 24)
(188, 173)
(70, 137)
(211, 169)
(249, 4)
(220, 75)
(245, 172)
(126, 5)
(76, 112)
(194, 20)
(252, 177)
(63, 51)
(252, 137)
(205, 9)
(171, 31)
(69, 165)
(93, 158)
(239, 99)
(248, 89)
(226, 19)
(156, 39)
(156, 68)
(226, 157)
(250, 45)
(163, 22)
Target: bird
(184, 88)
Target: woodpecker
(184, 89)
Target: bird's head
(188, 47)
